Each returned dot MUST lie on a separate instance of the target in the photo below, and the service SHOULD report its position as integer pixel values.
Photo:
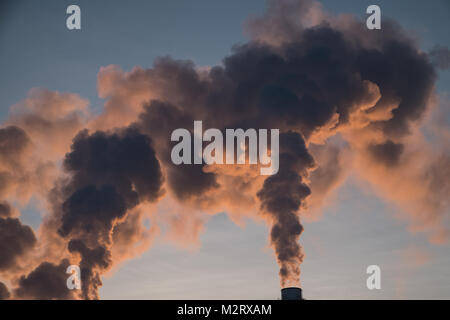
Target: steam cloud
(316, 77)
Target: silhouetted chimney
(292, 293)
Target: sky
(229, 261)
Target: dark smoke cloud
(125, 160)
(281, 197)
(93, 262)
(111, 173)
(412, 89)
(5, 210)
(303, 83)
(46, 282)
(440, 56)
(15, 240)
(303, 72)
(159, 120)
(321, 77)
(4, 292)
(92, 211)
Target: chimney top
(291, 293)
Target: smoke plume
(281, 197)
(344, 98)
(111, 173)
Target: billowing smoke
(15, 240)
(281, 196)
(111, 173)
(4, 292)
(46, 282)
(108, 174)
(321, 78)
(343, 97)
(5, 210)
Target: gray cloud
(46, 282)
(4, 292)
(440, 56)
(15, 240)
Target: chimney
(292, 293)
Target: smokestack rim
(291, 293)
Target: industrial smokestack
(292, 293)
